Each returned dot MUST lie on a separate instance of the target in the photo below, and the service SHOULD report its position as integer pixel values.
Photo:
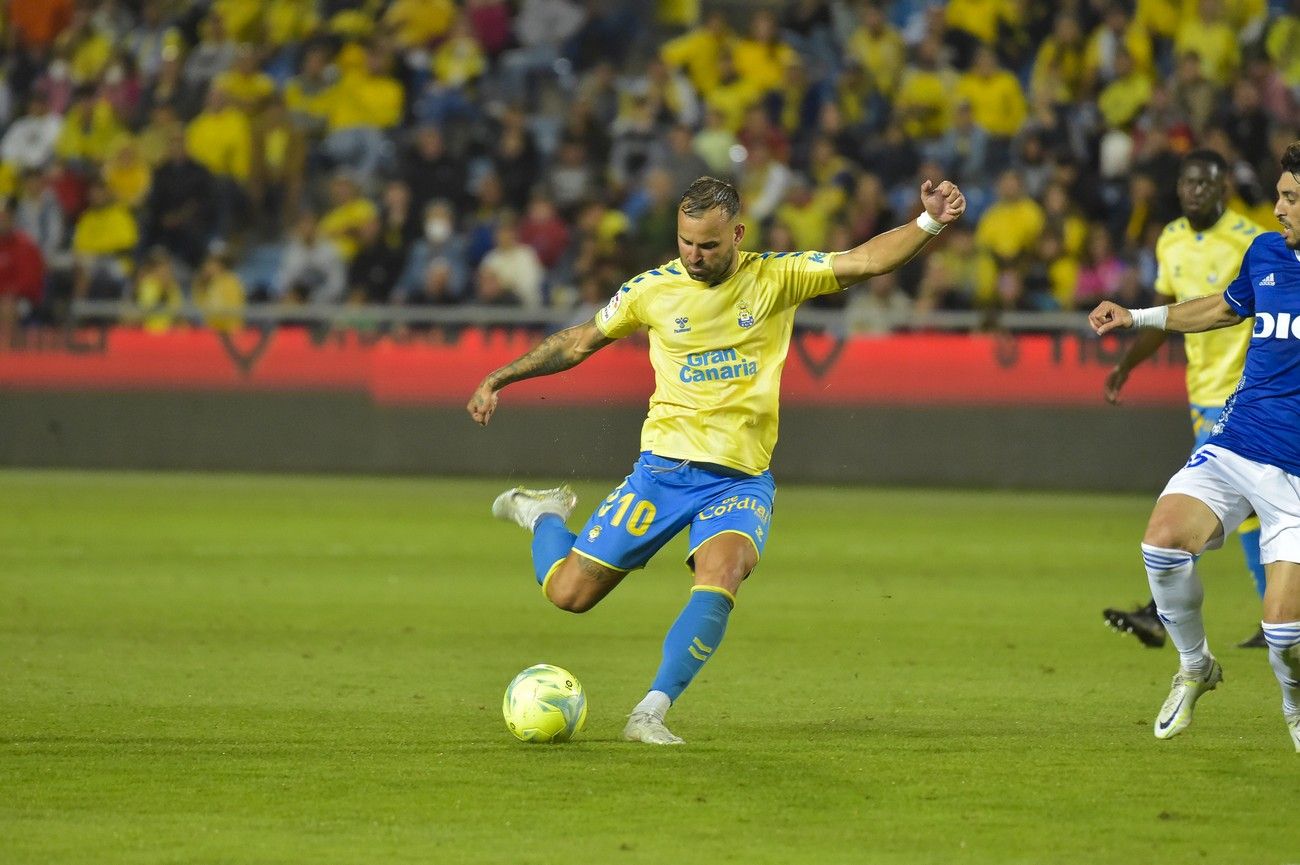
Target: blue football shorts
(663, 496)
(1204, 418)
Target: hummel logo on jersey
(683, 324)
(1268, 280)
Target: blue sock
(552, 541)
(692, 639)
(1250, 546)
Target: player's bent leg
(579, 583)
(1180, 527)
(721, 564)
(1281, 627)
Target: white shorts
(1233, 486)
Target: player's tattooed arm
(556, 353)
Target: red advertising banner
(433, 368)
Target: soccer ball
(545, 704)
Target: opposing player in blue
(719, 321)
(1197, 254)
(1251, 462)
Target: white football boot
(1176, 714)
(1293, 724)
(526, 507)
(649, 728)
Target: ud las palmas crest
(745, 317)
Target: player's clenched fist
(1109, 316)
(482, 404)
(945, 202)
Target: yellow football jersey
(717, 352)
(1194, 263)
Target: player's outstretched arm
(1191, 316)
(556, 353)
(944, 204)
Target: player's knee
(1170, 534)
(570, 598)
(569, 590)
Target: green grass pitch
(235, 669)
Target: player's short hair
(1291, 159)
(1205, 156)
(707, 193)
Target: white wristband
(928, 223)
(1154, 316)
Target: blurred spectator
(809, 212)
(1050, 275)
(120, 87)
(89, 129)
(307, 95)
(716, 144)
(925, 93)
(655, 236)
(878, 48)
(513, 266)
(279, 165)
(956, 275)
(1060, 212)
(37, 215)
(431, 172)
(1116, 31)
(571, 180)
(221, 139)
(374, 270)
(246, 86)
(963, 151)
(1058, 66)
(179, 209)
(30, 140)
(763, 58)
(636, 142)
(363, 105)
(457, 64)
(764, 183)
(1243, 118)
(419, 23)
(311, 270)
(868, 212)
(879, 309)
(490, 20)
(442, 248)
(672, 94)
(213, 55)
(151, 38)
(997, 103)
(679, 159)
(1126, 95)
(545, 231)
(22, 273)
(699, 51)
(541, 28)
(732, 95)
(492, 291)
(219, 293)
(172, 89)
(350, 212)
(975, 24)
(515, 161)
(158, 295)
(1193, 94)
(1102, 272)
(38, 22)
(1282, 45)
(128, 175)
(1207, 33)
(1011, 225)
(757, 128)
(103, 242)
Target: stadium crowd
(531, 153)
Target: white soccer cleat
(526, 507)
(1176, 714)
(1293, 724)
(649, 728)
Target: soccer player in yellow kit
(719, 321)
(1197, 254)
